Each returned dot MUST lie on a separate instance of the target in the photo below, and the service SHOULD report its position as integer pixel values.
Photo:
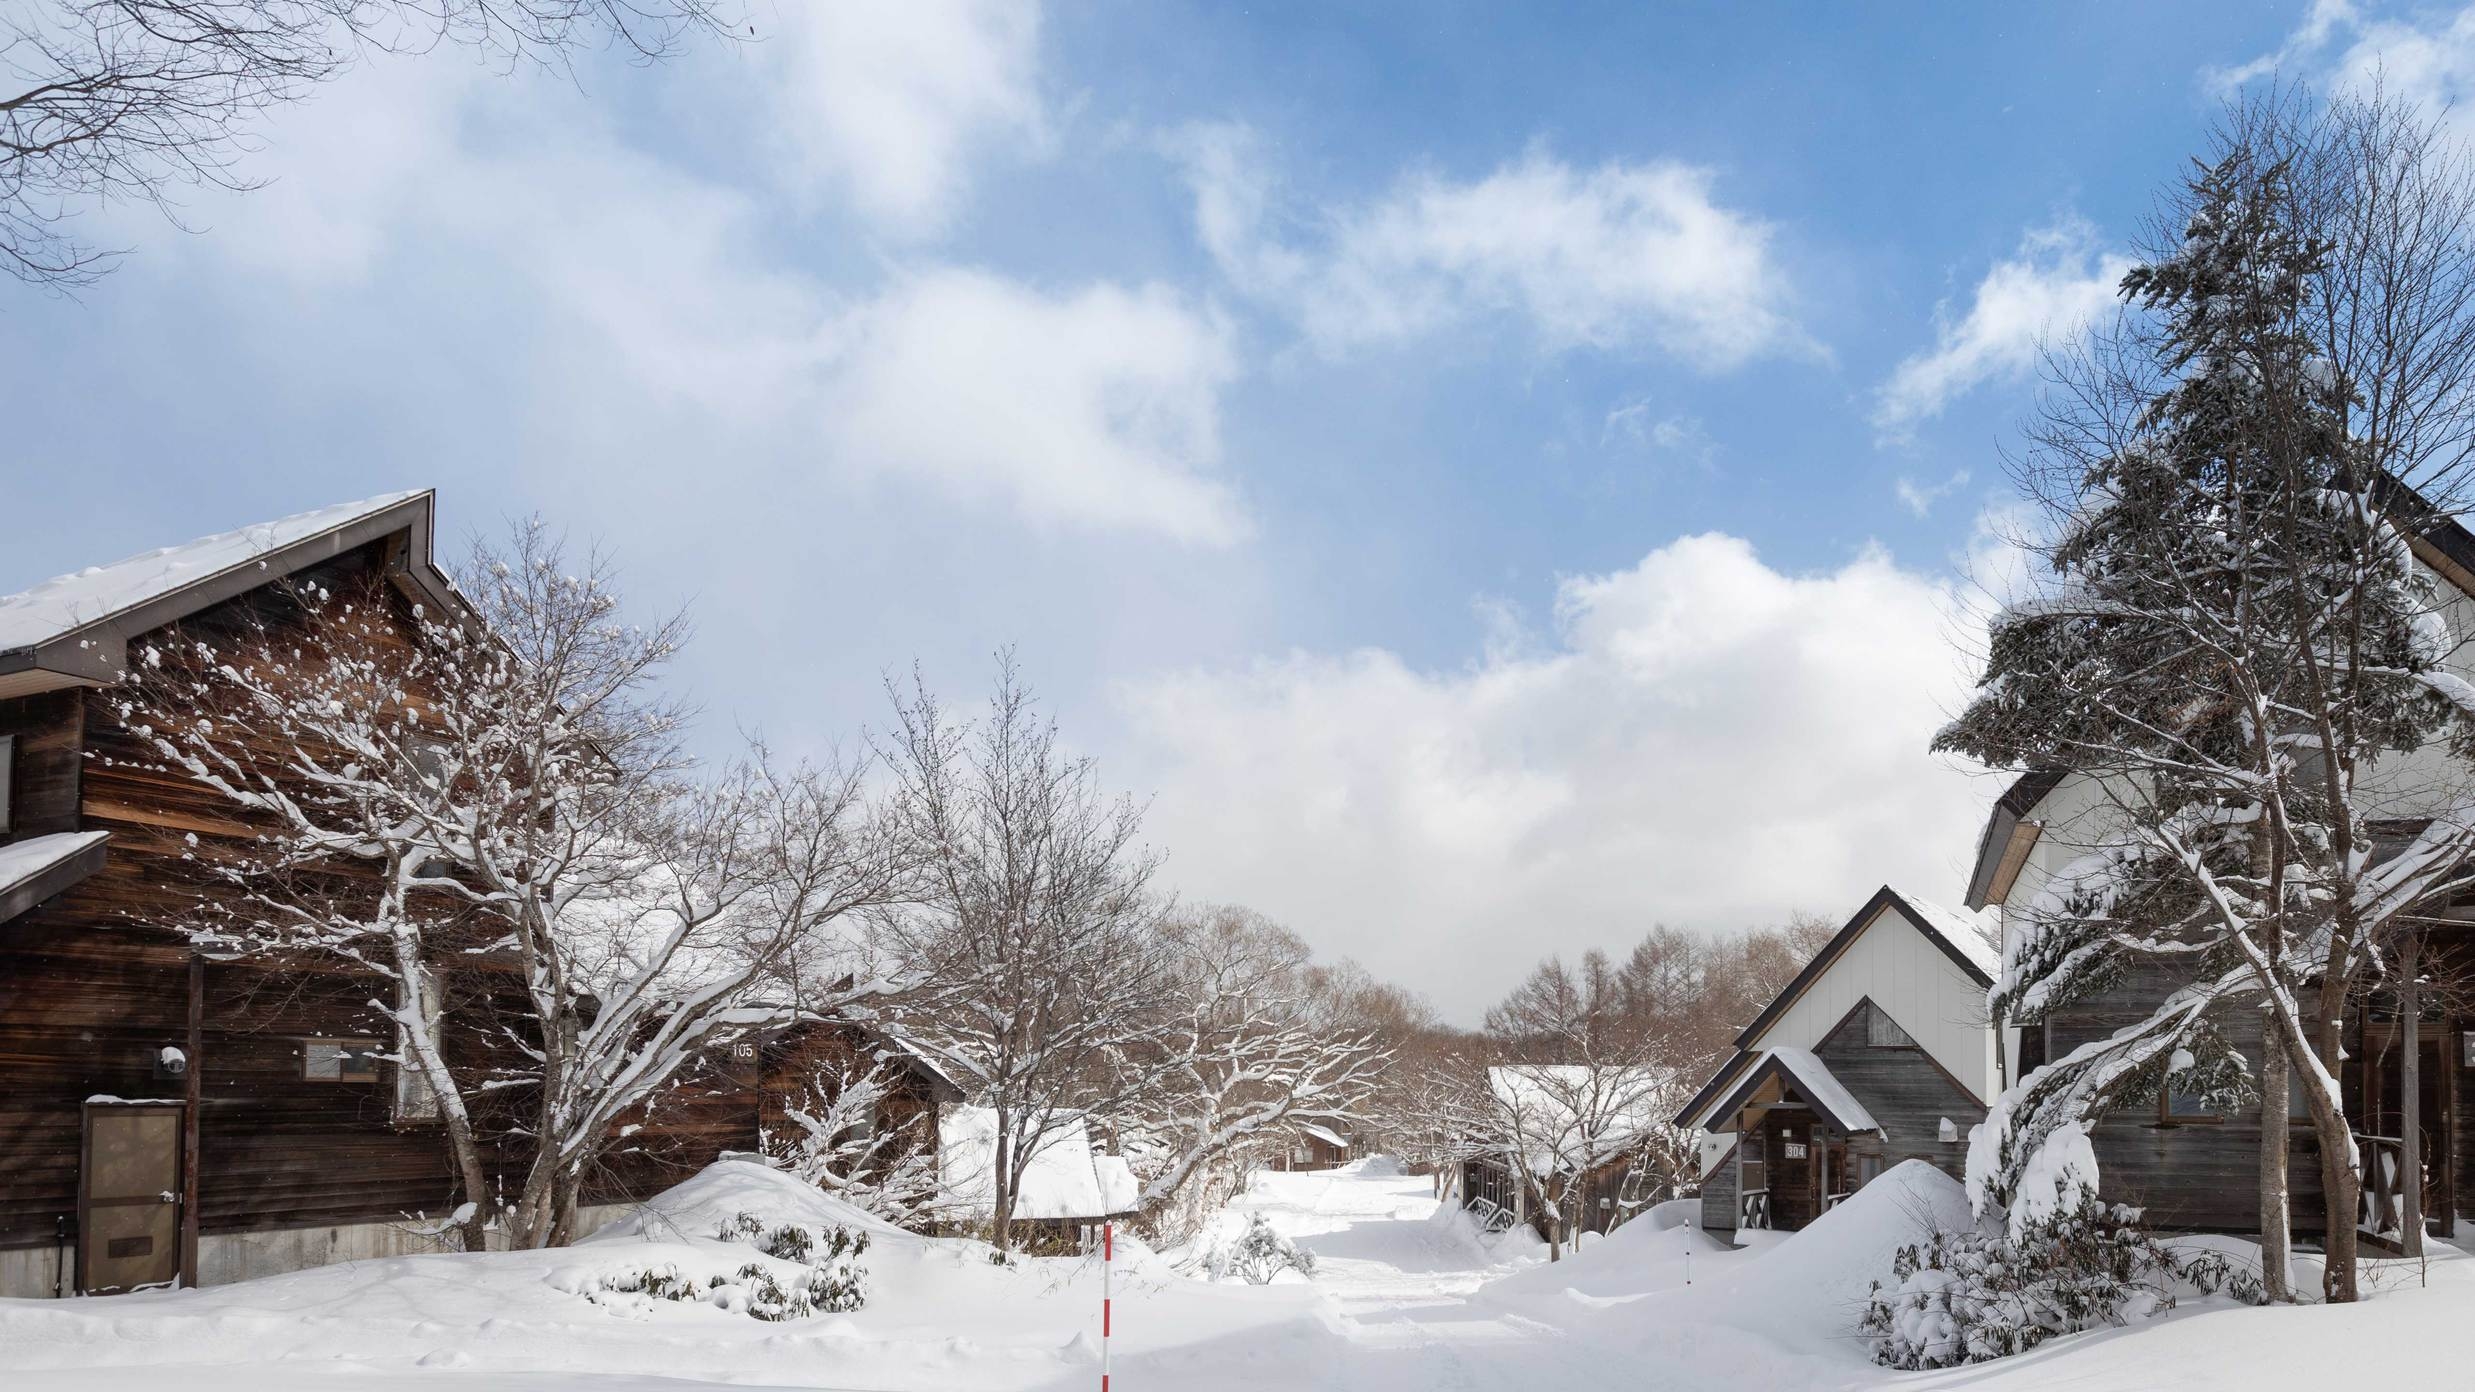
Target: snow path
(1406, 1298)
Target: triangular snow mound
(720, 1192)
(1810, 1288)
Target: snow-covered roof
(74, 625)
(1812, 1078)
(1064, 1179)
(69, 602)
(1326, 1135)
(1575, 1112)
(25, 865)
(1971, 933)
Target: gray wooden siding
(1907, 1092)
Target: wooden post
(2410, 1098)
(193, 1087)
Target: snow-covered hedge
(1259, 1254)
(1967, 1296)
(825, 1276)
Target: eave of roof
(2438, 538)
(92, 648)
(43, 867)
(1814, 1081)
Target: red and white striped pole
(1108, 1255)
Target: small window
(8, 780)
(1883, 1032)
(2180, 1106)
(339, 1060)
(429, 759)
(1868, 1169)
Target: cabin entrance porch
(2376, 1082)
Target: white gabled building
(1879, 1051)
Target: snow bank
(1809, 1289)
(1637, 1259)
(716, 1195)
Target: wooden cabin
(165, 1118)
(1554, 1117)
(1877, 1052)
(1318, 1146)
(2189, 1166)
(1068, 1189)
(2185, 1165)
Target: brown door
(1790, 1169)
(128, 1201)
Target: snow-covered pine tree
(2234, 632)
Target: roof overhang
(43, 867)
(96, 652)
(2002, 848)
(1843, 1112)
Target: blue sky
(1496, 479)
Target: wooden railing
(2385, 1177)
(1753, 1209)
(1831, 1201)
(1492, 1216)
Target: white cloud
(1702, 739)
(1096, 408)
(889, 103)
(2053, 288)
(645, 287)
(1617, 256)
(2320, 22)
(1920, 498)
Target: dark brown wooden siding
(49, 735)
(93, 985)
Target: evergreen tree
(2234, 635)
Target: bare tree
(1042, 976)
(838, 1141)
(524, 803)
(1254, 1053)
(104, 100)
(1585, 1083)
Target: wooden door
(128, 1199)
(1790, 1169)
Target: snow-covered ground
(1404, 1297)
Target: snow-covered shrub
(835, 1281)
(832, 1282)
(1964, 1297)
(755, 1289)
(1259, 1254)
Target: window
(415, 1099)
(339, 1060)
(1883, 1032)
(8, 780)
(2178, 1106)
(429, 759)
(1868, 1169)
